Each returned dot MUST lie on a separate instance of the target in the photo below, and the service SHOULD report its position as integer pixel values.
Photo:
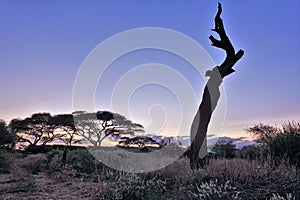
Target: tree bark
(211, 95)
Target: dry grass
(254, 180)
(233, 169)
(223, 179)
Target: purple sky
(43, 44)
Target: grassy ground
(42, 176)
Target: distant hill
(238, 142)
(185, 140)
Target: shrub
(51, 154)
(286, 146)
(225, 149)
(55, 164)
(7, 137)
(34, 163)
(279, 144)
(82, 161)
(5, 165)
(250, 152)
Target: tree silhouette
(263, 133)
(7, 137)
(140, 141)
(211, 95)
(66, 128)
(39, 129)
(95, 127)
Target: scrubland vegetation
(266, 171)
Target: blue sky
(43, 44)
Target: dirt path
(43, 186)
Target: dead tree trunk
(211, 95)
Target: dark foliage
(39, 128)
(225, 149)
(5, 165)
(281, 144)
(140, 141)
(7, 137)
(250, 152)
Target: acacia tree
(263, 133)
(140, 141)
(39, 129)
(65, 127)
(211, 95)
(95, 127)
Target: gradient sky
(43, 44)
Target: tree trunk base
(199, 163)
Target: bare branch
(224, 43)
